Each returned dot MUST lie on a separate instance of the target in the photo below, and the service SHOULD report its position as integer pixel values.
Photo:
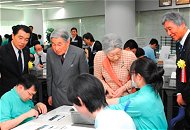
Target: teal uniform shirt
(145, 107)
(32, 50)
(5, 42)
(12, 106)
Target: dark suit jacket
(33, 37)
(9, 67)
(184, 88)
(59, 75)
(97, 47)
(77, 42)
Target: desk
(63, 121)
(169, 91)
(169, 105)
(41, 80)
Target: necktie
(20, 61)
(62, 58)
(40, 60)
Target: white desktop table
(50, 121)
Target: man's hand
(50, 100)
(41, 108)
(31, 113)
(40, 66)
(9, 124)
(180, 100)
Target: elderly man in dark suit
(175, 26)
(94, 46)
(14, 58)
(64, 61)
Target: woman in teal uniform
(144, 106)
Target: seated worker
(16, 105)
(150, 49)
(131, 45)
(40, 57)
(86, 93)
(32, 49)
(144, 106)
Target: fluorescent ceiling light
(2, 2)
(49, 7)
(27, 0)
(27, 5)
(60, 1)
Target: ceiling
(35, 4)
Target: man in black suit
(14, 58)
(33, 37)
(94, 46)
(175, 26)
(75, 39)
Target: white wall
(9, 18)
(93, 24)
(77, 9)
(120, 18)
(10, 14)
(91, 14)
(34, 18)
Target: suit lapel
(66, 66)
(13, 57)
(186, 47)
(94, 47)
(69, 59)
(25, 54)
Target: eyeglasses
(31, 94)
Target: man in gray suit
(64, 61)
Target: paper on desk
(39, 126)
(78, 128)
(51, 117)
(30, 126)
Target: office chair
(177, 123)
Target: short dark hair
(140, 52)
(20, 27)
(89, 36)
(7, 36)
(149, 71)
(28, 80)
(30, 26)
(89, 89)
(35, 42)
(153, 41)
(73, 28)
(39, 36)
(131, 44)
